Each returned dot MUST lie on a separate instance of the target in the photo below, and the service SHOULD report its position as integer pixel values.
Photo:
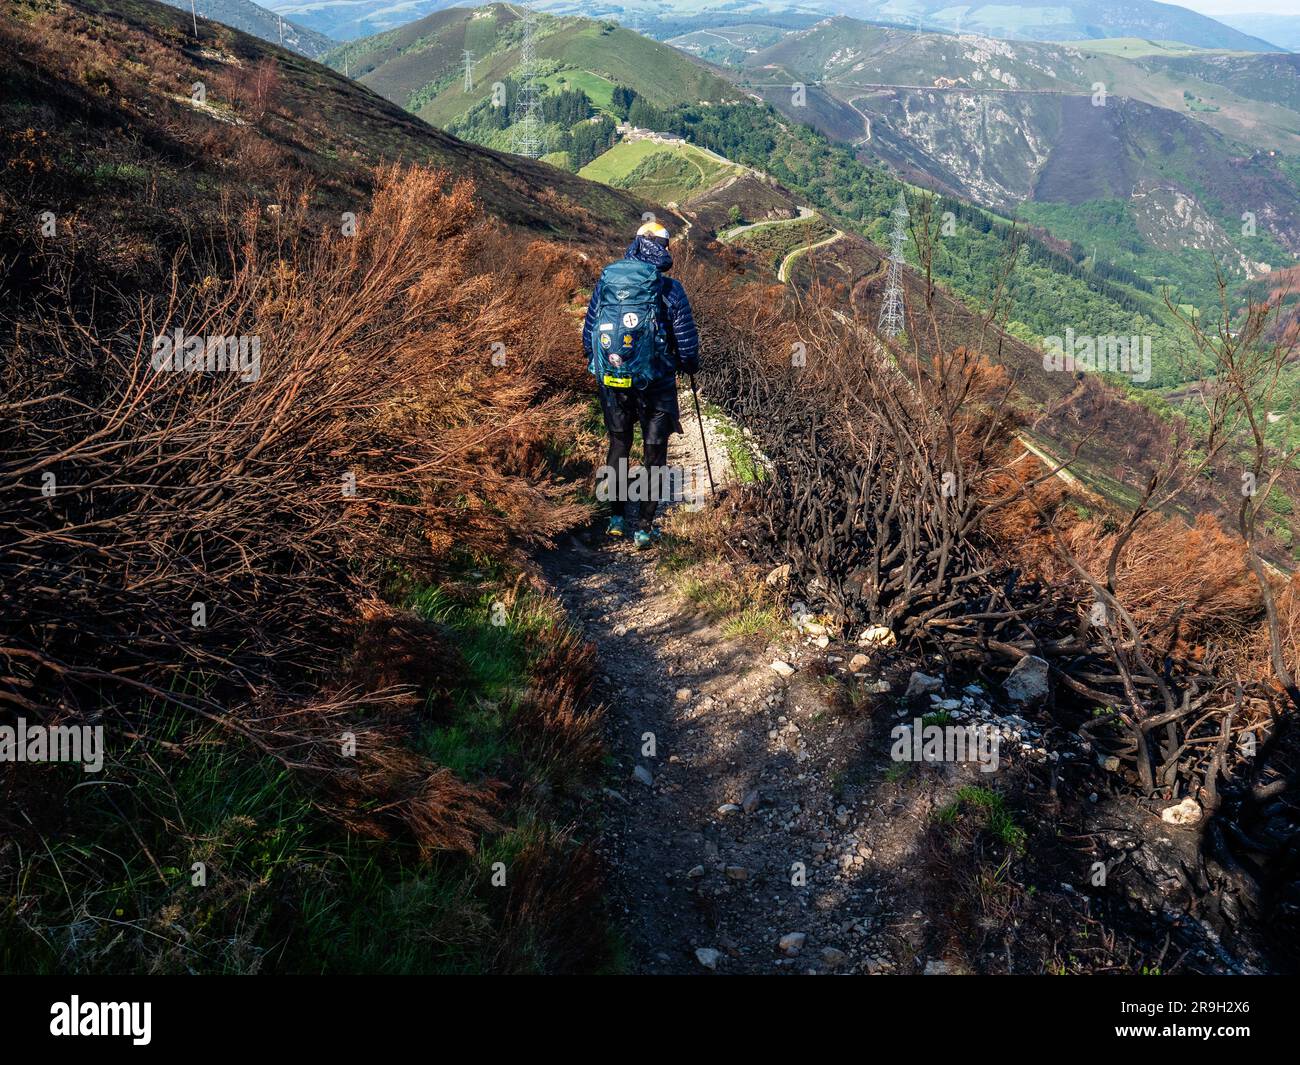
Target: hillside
(261, 22)
(421, 67)
(662, 173)
(311, 708)
(1017, 127)
(1249, 97)
(338, 131)
(766, 221)
(328, 658)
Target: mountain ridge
(260, 22)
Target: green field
(599, 90)
(660, 172)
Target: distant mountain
(421, 65)
(1155, 167)
(346, 20)
(1251, 97)
(260, 22)
(1035, 20)
(1281, 30)
(1053, 20)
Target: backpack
(629, 336)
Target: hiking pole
(713, 489)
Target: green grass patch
(599, 90)
(664, 171)
(740, 452)
(991, 808)
(111, 888)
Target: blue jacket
(683, 339)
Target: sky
(1214, 8)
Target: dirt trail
(692, 876)
(768, 829)
(731, 234)
(783, 271)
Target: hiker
(638, 335)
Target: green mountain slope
(421, 65)
(322, 126)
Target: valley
(1084, 157)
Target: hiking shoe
(617, 526)
(646, 538)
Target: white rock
(728, 808)
(642, 774)
(792, 942)
(707, 956)
(1028, 683)
(782, 669)
(877, 636)
(922, 684)
(1187, 812)
(858, 663)
(780, 575)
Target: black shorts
(655, 408)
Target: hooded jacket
(683, 339)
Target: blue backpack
(629, 337)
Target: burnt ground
(907, 867)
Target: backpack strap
(662, 302)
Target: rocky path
(749, 824)
(754, 821)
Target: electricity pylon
(526, 131)
(891, 309)
(469, 70)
